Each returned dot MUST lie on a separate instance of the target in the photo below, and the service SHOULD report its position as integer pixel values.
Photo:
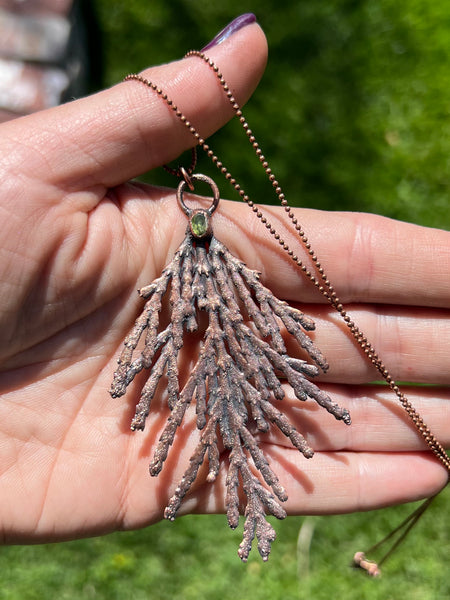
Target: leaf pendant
(235, 379)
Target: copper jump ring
(187, 178)
(197, 177)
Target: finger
(126, 130)
(337, 482)
(349, 482)
(413, 343)
(379, 422)
(368, 258)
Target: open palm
(77, 241)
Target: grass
(195, 557)
(354, 112)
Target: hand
(75, 244)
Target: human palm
(75, 244)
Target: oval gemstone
(199, 224)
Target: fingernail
(231, 28)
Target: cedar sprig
(234, 381)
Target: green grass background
(354, 114)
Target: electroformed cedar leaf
(235, 379)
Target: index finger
(122, 132)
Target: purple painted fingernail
(231, 28)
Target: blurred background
(353, 113)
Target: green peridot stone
(199, 224)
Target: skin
(77, 240)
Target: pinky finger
(337, 482)
(341, 482)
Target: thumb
(119, 133)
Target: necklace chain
(321, 280)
